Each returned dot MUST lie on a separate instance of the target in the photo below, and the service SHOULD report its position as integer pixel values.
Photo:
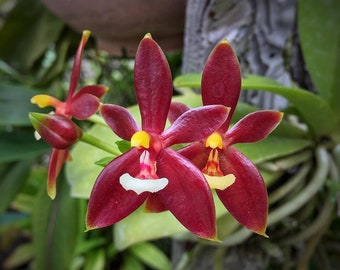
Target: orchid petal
(119, 120)
(153, 84)
(176, 110)
(57, 160)
(97, 90)
(221, 79)
(253, 127)
(187, 195)
(83, 106)
(246, 199)
(76, 65)
(109, 201)
(195, 124)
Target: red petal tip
(51, 192)
(86, 34)
(261, 232)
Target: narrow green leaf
(313, 110)
(123, 146)
(90, 244)
(12, 181)
(55, 229)
(104, 161)
(15, 105)
(151, 255)
(191, 80)
(272, 147)
(21, 255)
(20, 144)
(131, 263)
(95, 260)
(319, 32)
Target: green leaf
(21, 255)
(27, 32)
(18, 145)
(311, 108)
(140, 226)
(15, 105)
(151, 255)
(12, 181)
(55, 229)
(319, 32)
(272, 147)
(95, 260)
(131, 263)
(104, 161)
(123, 146)
(191, 80)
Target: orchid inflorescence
(152, 173)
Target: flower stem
(89, 139)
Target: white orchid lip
(220, 182)
(141, 185)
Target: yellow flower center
(140, 139)
(214, 175)
(214, 141)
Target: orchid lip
(220, 182)
(141, 185)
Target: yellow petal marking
(140, 139)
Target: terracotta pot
(119, 25)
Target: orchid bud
(57, 130)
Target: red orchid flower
(151, 171)
(58, 129)
(237, 181)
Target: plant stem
(89, 139)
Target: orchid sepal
(56, 162)
(221, 79)
(154, 95)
